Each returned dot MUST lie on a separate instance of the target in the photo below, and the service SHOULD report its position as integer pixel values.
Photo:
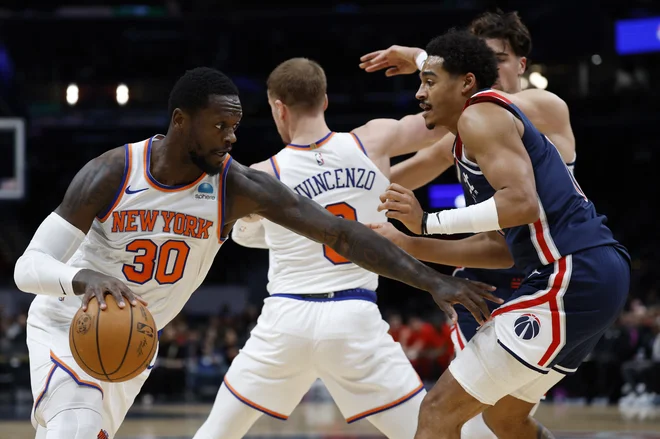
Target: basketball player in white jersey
(510, 40)
(144, 222)
(321, 319)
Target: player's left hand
(390, 232)
(400, 203)
(398, 60)
(471, 294)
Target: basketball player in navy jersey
(525, 208)
(510, 39)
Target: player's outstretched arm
(398, 60)
(425, 165)
(389, 138)
(483, 250)
(42, 268)
(251, 191)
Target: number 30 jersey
(336, 173)
(159, 240)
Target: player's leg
(399, 421)
(512, 415)
(41, 432)
(461, 334)
(270, 375)
(467, 326)
(68, 403)
(366, 371)
(118, 399)
(510, 418)
(445, 409)
(229, 418)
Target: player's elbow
(529, 209)
(22, 271)
(524, 208)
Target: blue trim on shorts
(337, 296)
(388, 407)
(523, 362)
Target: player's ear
(178, 118)
(522, 65)
(281, 109)
(469, 82)
(325, 103)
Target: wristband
(420, 59)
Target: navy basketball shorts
(546, 328)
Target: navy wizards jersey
(568, 221)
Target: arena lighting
(538, 80)
(596, 59)
(72, 94)
(122, 94)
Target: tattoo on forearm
(251, 191)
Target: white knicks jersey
(336, 173)
(159, 240)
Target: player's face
(213, 131)
(442, 95)
(279, 113)
(510, 66)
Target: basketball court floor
(321, 420)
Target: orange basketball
(114, 345)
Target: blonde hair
(298, 83)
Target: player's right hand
(90, 283)
(401, 204)
(470, 294)
(398, 60)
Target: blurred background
(79, 78)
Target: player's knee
(437, 403)
(74, 424)
(71, 396)
(506, 426)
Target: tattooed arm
(250, 191)
(42, 269)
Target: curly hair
(463, 52)
(191, 92)
(504, 26)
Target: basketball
(113, 345)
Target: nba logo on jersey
(103, 435)
(319, 159)
(204, 192)
(527, 326)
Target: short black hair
(463, 52)
(504, 26)
(191, 92)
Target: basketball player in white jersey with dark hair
(144, 222)
(321, 319)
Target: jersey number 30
(165, 263)
(342, 210)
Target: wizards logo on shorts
(527, 326)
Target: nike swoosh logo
(61, 286)
(130, 192)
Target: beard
(204, 165)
